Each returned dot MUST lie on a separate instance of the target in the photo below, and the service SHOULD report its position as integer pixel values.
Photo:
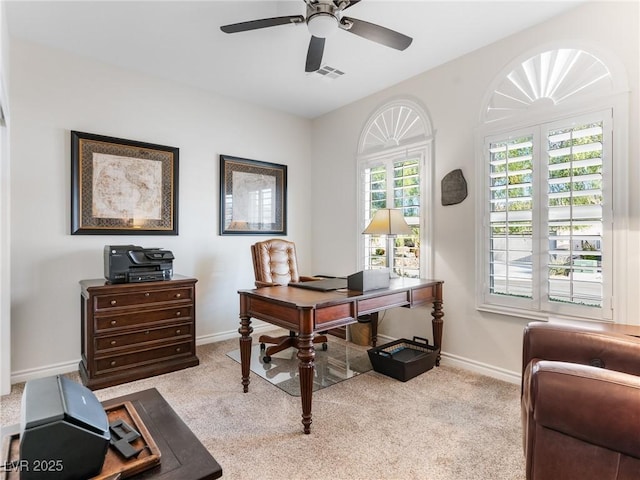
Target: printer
(64, 431)
(132, 263)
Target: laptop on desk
(324, 285)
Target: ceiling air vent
(328, 72)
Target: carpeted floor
(447, 424)
(343, 360)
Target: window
(394, 184)
(394, 165)
(547, 189)
(547, 214)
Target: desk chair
(275, 263)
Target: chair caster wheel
(262, 346)
(324, 347)
(266, 359)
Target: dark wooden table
(183, 457)
(307, 311)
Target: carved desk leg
(245, 331)
(437, 322)
(306, 367)
(374, 329)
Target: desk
(307, 311)
(183, 456)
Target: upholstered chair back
(275, 262)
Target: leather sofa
(580, 401)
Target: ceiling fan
(323, 18)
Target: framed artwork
(253, 197)
(122, 187)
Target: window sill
(536, 316)
(513, 312)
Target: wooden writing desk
(308, 311)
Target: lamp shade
(388, 221)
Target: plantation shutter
(375, 190)
(511, 217)
(575, 220)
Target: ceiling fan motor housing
(322, 19)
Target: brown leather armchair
(275, 263)
(580, 402)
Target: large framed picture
(122, 187)
(253, 197)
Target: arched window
(551, 78)
(395, 163)
(546, 185)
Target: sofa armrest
(595, 405)
(582, 345)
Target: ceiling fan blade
(314, 54)
(351, 4)
(376, 33)
(262, 23)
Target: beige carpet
(446, 424)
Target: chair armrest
(583, 345)
(598, 406)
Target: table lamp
(389, 222)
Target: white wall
(53, 93)
(5, 260)
(453, 95)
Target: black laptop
(324, 285)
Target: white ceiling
(182, 41)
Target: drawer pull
(113, 342)
(178, 313)
(178, 350)
(113, 363)
(113, 302)
(146, 294)
(178, 332)
(178, 295)
(113, 322)
(146, 332)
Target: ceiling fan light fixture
(322, 24)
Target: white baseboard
(72, 366)
(447, 359)
(46, 371)
(471, 365)
(481, 368)
(219, 337)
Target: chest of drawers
(136, 330)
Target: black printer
(132, 263)
(64, 431)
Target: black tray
(404, 359)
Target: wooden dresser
(136, 330)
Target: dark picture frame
(253, 197)
(123, 187)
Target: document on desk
(324, 285)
